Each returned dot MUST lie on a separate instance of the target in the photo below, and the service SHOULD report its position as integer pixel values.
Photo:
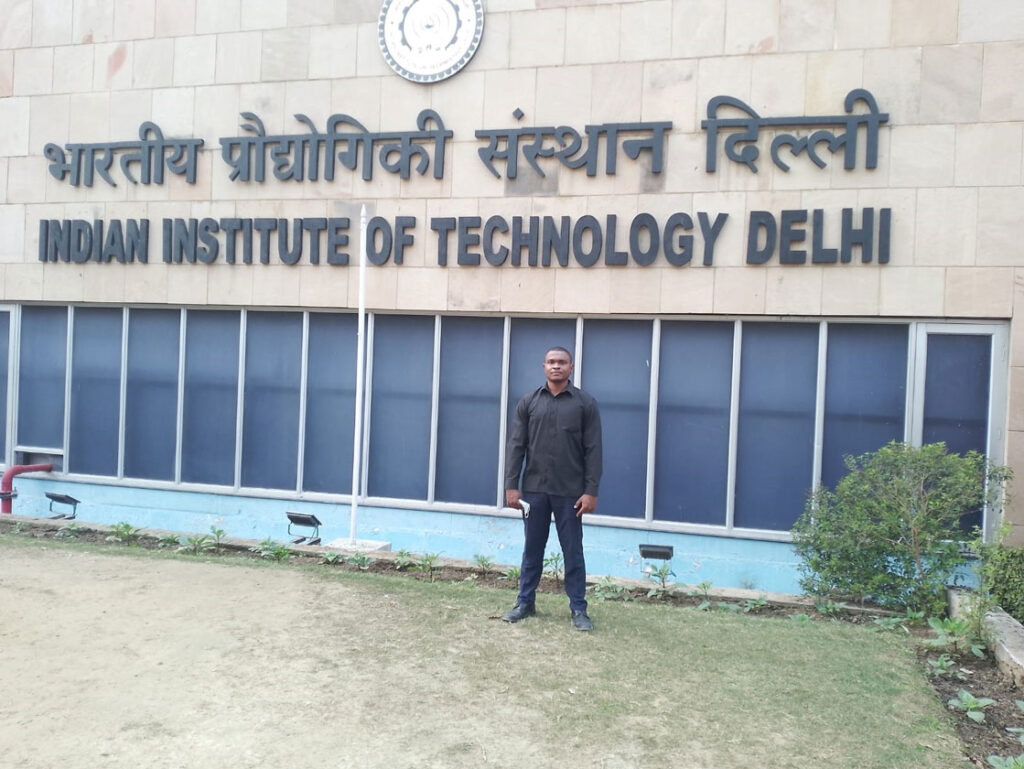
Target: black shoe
(581, 621)
(520, 612)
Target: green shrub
(1002, 574)
(890, 530)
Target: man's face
(557, 366)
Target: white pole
(357, 433)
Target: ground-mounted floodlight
(63, 499)
(305, 520)
(656, 552)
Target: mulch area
(980, 677)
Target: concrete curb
(1004, 635)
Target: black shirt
(560, 438)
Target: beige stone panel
(93, 22)
(989, 155)
(793, 290)
(14, 117)
(4, 163)
(153, 63)
(324, 286)
(147, 283)
(739, 291)
(851, 290)
(1013, 513)
(806, 26)
(979, 292)
(663, 206)
(894, 78)
(73, 68)
(687, 290)
(751, 26)
(238, 57)
(358, 97)
(273, 285)
(1017, 321)
(52, 22)
(729, 76)
(475, 289)
(493, 52)
(730, 246)
(424, 288)
(104, 282)
(128, 110)
(187, 283)
(23, 282)
(830, 76)
(685, 157)
(63, 282)
(537, 38)
(922, 156)
(583, 290)
(307, 97)
(369, 61)
(263, 14)
(218, 16)
(863, 23)
(7, 73)
(29, 236)
(982, 21)
(946, 226)
(173, 18)
(951, 84)
(381, 287)
(112, 66)
(401, 102)
(136, 19)
(646, 31)
(460, 103)
(912, 291)
(332, 51)
(617, 94)
(528, 289)
(16, 24)
(26, 180)
(285, 54)
(470, 178)
(1017, 398)
(670, 93)
(421, 252)
(308, 13)
(267, 102)
(698, 28)
(917, 23)
(218, 114)
(999, 239)
(1002, 98)
(174, 111)
(592, 34)
(564, 97)
(903, 205)
(506, 91)
(195, 60)
(775, 85)
(636, 289)
(12, 225)
(33, 71)
(49, 121)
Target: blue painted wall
(724, 561)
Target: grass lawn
(212, 661)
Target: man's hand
(585, 504)
(512, 497)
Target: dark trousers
(570, 537)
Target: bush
(1002, 574)
(890, 532)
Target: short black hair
(560, 349)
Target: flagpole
(357, 433)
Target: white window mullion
(920, 366)
(68, 363)
(819, 405)
(13, 374)
(435, 387)
(364, 442)
(652, 418)
(179, 429)
(123, 394)
(240, 397)
(300, 467)
(506, 352)
(577, 375)
(734, 412)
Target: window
(403, 366)
(692, 450)
(41, 371)
(5, 341)
(775, 443)
(151, 394)
(469, 410)
(330, 403)
(617, 372)
(94, 424)
(865, 392)
(270, 420)
(211, 397)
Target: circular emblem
(429, 40)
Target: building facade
(774, 232)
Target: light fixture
(62, 499)
(656, 552)
(306, 520)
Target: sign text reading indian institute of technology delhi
(519, 155)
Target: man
(557, 431)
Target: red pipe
(7, 482)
